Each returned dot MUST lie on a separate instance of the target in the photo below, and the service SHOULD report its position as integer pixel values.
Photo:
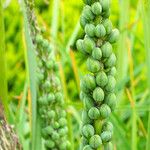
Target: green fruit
(62, 132)
(83, 21)
(51, 114)
(105, 5)
(98, 94)
(49, 143)
(89, 81)
(49, 130)
(111, 84)
(42, 100)
(94, 113)
(93, 65)
(63, 113)
(106, 136)
(88, 2)
(80, 46)
(62, 122)
(87, 147)
(95, 141)
(56, 125)
(108, 146)
(90, 30)
(111, 61)
(45, 43)
(84, 140)
(50, 64)
(100, 31)
(39, 39)
(51, 98)
(104, 111)
(97, 8)
(108, 26)
(55, 136)
(106, 14)
(47, 85)
(83, 87)
(88, 102)
(107, 126)
(106, 49)
(114, 36)
(112, 71)
(111, 100)
(59, 97)
(88, 45)
(88, 131)
(101, 79)
(85, 117)
(97, 53)
(87, 13)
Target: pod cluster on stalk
(50, 96)
(98, 86)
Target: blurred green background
(130, 118)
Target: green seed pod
(94, 113)
(112, 71)
(88, 131)
(95, 141)
(87, 13)
(40, 77)
(65, 145)
(49, 143)
(56, 125)
(55, 136)
(87, 147)
(93, 65)
(88, 45)
(108, 146)
(62, 132)
(63, 113)
(100, 31)
(111, 84)
(85, 117)
(49, 130)
(50, 64)
(111, 101)
(96, 8)
(83, 21)
(80, 45)
(51, 114)
(106, 136)
(105, 5)
(104, 111)
(97, 53)
(106, 14)
(108, 26)
(47, 85)
(114, 36)
(106, 49)
(101, 79)
(45, 43)
(90, 30)
(59, 97)
(51, 98)
(107, 126)
(84, 140)
(111, 61)
(42, 100)
(62, 122)
(89, 81)
(39, 39)
(83, 87)
(98, 94)
(88, 102)
(88, 2)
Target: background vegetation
(131, 117)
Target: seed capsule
(88, 102)
(106, 136)
(88, 131)
(85, 117)
(83, 21)
(87, 147)
(87, 13)
(90, 30)
(105, 5)
(51, 98)
(95, 141)
(83, 87)
(55, 136)
(97, 8)
(104, 111)
(111, 61)
(108, 26)
(94, 113)
(112, 71)
(59, 97)
(111, 84)
(88, 45)
(98, 94)
(106, 49)
(89, 81)
(45, 43)
(108, 146)
(39, 39)
(114, 36)
(80, 47)
(101, 79)
(49, 130)
(97, 53)
(93, 65)
(111, 101)
(49, 143)
(51, 114)
(100, 31)
(62, 122)
(107, 126)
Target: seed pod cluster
(98, 86)
(50, 98)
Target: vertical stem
(3, 78)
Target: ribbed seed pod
(50, 98)
(98, 86)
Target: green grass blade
(3, 78)
(146, 24)
(31, 66)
